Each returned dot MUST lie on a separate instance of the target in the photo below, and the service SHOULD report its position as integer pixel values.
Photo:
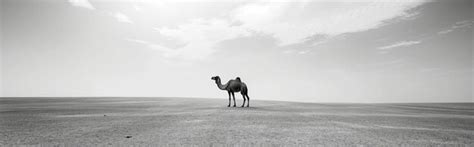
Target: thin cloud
(166, 52)
(201, 35)
(122, 17)
(138, 41)
(462, 24)
(82, 3)
(137, 8)
(281, 21)
(445, 31)
(457, 25)
(289, 26)
(399, 44)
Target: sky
(354, 51)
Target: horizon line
(453, 102)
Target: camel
(233, 86)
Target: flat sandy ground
(209, 122)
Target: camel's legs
(243, 96)
(228, 92)
(248, 100)
(233, 96)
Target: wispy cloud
(457, 25)
(201, 35)
(445, 31)
(138, 41)
(122, 17)
(137, 8)
(399, 44)
(462, 24)
(82, 3)
(166, 52)
(289, 26)
(281, 21)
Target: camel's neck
(219, 85)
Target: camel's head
(215, 77)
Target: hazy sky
(307, 50)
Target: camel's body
(233, 86)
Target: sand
(209, 122)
